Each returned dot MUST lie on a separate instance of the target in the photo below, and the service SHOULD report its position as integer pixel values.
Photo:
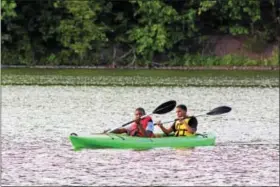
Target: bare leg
(119, 131)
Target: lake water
(36, 123)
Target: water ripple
(38, 120)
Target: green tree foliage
(151, 33)
(8, 9)
(79, 32)
(79, 29)
(7, 14)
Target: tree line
(125, 32)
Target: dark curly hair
(141, 110)
(183, 107)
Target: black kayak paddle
(215, 111)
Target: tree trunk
(114, 56)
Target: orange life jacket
(144, 122)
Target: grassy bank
(188, 60)
(119, 77)
(171, 60)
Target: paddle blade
(165, 107)
(219, 110)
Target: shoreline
(245, 68)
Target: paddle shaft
(130, 122)
(134, 120)
(176, 120)
(215, 111)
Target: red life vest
(144, 122)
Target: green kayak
(123, 141)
